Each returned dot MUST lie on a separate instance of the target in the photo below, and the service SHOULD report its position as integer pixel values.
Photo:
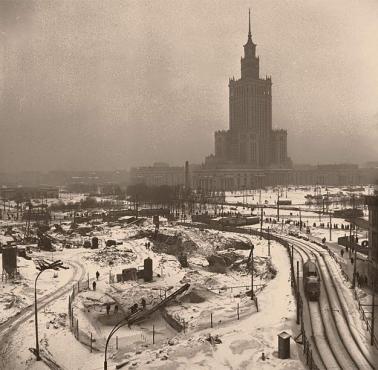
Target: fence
(80, 335)
(213, 320)
(151, 335)
(361, 306)
(307, 351)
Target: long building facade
(250, 140)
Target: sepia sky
(110, 84)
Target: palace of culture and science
(250, 141)
(250, 154)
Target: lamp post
(42, 266)
(118, 326)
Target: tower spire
(249, 24)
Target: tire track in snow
(9, 328)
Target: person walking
(134, 308)
(97, 275)
(143, 301)
(94, 285)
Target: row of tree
(163, 195)
(86, 203)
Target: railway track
(8, 328)
(332, 318)
(322, 351)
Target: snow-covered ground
(16, 295)
(242, 341)
(296, 194)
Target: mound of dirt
(238, 244)
(190, 276)
(220, 261)
(112, 255)
(193, 297)
(197, 294)
(175, 245)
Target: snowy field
(241, 342)
(219, 295)
(297, 195)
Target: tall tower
(250, 63)
(250, 104)
(250, 141)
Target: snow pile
(11, 305)
(114, 255)
(58, 320)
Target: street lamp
(42, 266)
(118, 326)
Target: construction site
(146, 285)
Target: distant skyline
(103, 85)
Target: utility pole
(373, 308)
(298, 294)
(268, 241)
(260, 195)
(350, 237)
(251, 260)
(300, 219)
(354, 267)
(328, 201)
(261, 222)
(330, 226)
(278, 205)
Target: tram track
(318, 338)
(331, 352)
(346, 349)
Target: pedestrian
(94, 285)
(115, 308)
(97, 275)
(143, 301)
(107, 308)
(134, 308)
(342, 253)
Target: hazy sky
(110, 84)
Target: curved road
(8, 328)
